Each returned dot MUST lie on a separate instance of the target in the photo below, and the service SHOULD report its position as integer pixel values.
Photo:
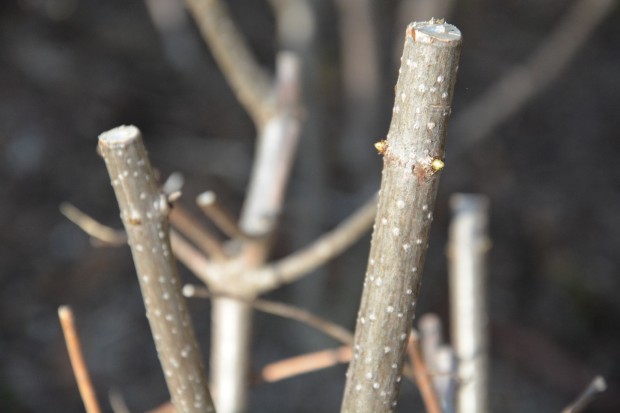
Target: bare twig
(322, 250)
(413, 157)
(467, 250)
(596, 386)
(283, 310)
(207, 201)
(196, 232)
(89, 398)
(427, 390)
(144, 211)
(294, 366)
(248, 80)
(512, 91)
(93, 228)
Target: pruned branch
(247, 78)
(282, 310)
(413, 157)
(512, 91)
(144, 212)
(80, 371)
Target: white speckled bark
(413, 159)
(144, 211)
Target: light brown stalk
(306, 363)
(98, 231)
(80, 371)
(144, 212)
(413, 158)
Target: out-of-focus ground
(70, 70)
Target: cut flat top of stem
(120, 134)
(431, 30)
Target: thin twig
(323, 249)
(283, 310)
(596, 386)
(183, 221)
(513, 90)
(96, 230)
(89, 398)
(144, 211)
(207, 201)
(306, 363)
(183, 250)
(427, 390)
(247, 78)
(412, 160)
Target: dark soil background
(71, 69)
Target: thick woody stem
(413, 158)
(144, 212)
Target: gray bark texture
(413, 158)
(144, 211)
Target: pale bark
(412, 161)
(467, 251)
(232, 319)
(144, 212)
